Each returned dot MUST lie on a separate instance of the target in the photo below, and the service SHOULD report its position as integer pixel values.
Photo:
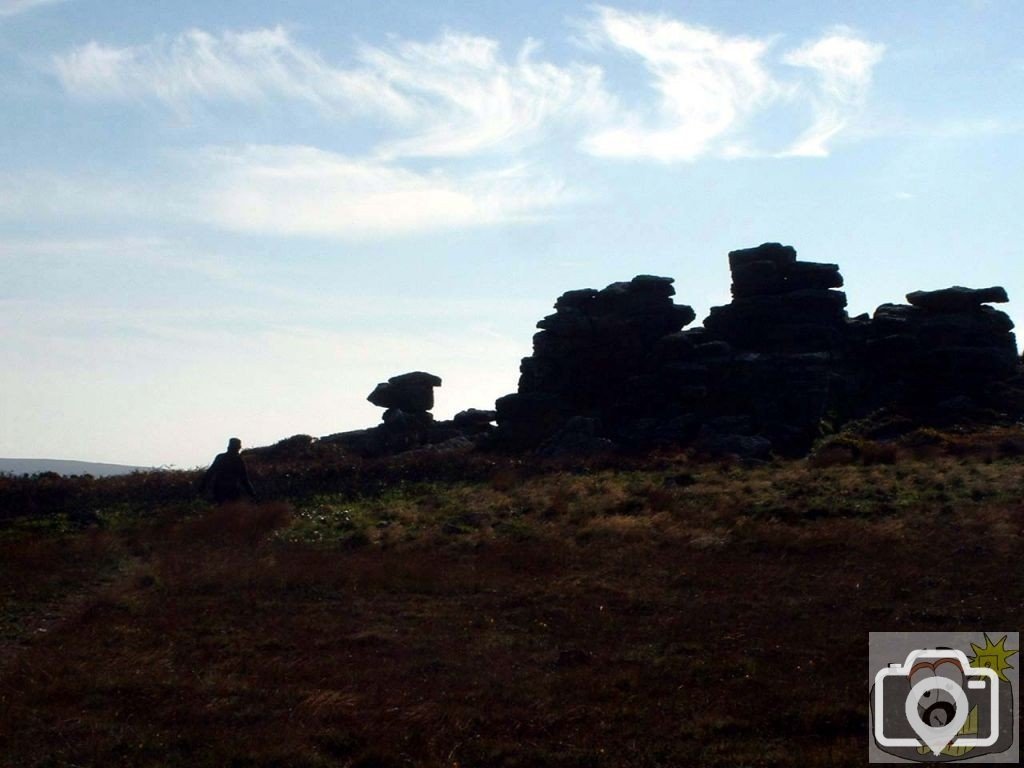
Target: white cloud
(237, 66)
(455, 96)
(299, 190)
(843, 65)
(287, 190)
(460, 95)
(14, 7)
(710, 87)
(707, 85)
(469, 99)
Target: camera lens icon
(937, 723)
(937, 689)
(935, 706)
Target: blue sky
(235, 218)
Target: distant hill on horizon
(65, 467)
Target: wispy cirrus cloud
(709, 87)
(843, 64)
(14, 7)
(196, 66)
(706, 85)
(298, 190)
(469, 98)
(293, 190)
(453, 96)
(461, 95)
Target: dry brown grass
(633, 617)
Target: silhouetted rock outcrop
(946, 349)
(409, 392)
(407, 423)
(957, 298)
(780, 305)
(765, 372)
(578, 437)
(785, 330)
(596, 356)
(474, 421)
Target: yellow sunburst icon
(993, 656)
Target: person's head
(234, 445)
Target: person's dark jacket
(228, 478)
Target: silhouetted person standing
(227, 475)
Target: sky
(235, 218)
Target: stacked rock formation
(407, 423)
(761, 366)
(944, 351)
(781, 305)
(408, 399)
(595, 357)
(764, 373)
(786, 334)
(474, 421)
(613, 368)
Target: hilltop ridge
(66, 467)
